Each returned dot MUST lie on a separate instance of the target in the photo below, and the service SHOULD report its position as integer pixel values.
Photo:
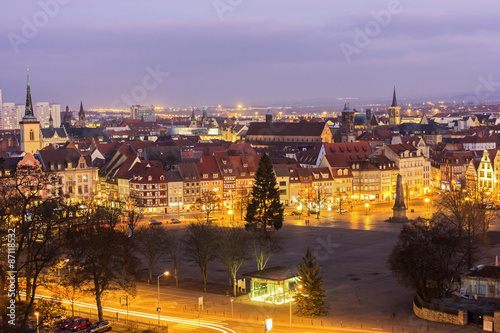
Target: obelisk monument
(399, 209)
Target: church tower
(51, 122)
(193, 123)
(30, 126)
(347, 133)
(394, 111)
(81, 116)
(269, 117)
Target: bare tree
(133, 214)
(151, 242)
(208, 202)
(341, 199)
(232, 251)
(200, 245)
(72, 285)
(29, 205)
(263, 248)
(174, 245)
(427, 257)
(466, 211)
(105, 255)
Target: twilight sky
(118, 52)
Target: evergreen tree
(310, 298)
(264, 208)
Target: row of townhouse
(347, 172)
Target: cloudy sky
(179, 53)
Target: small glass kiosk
(272, 285)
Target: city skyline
(237, 52)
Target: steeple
(29, 126)
(193, 118)
(394, 111)
(28, 113)
(51, 121)
(394, 100)
(81, 116)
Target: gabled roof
(189, 172)
(208, 166)
(156, 173)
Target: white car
(154, 222)
(341, 210)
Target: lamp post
(158, 308)
(178, 206)
(367, 205)
(319, 202)
(427, 206)
(299, 286)
(36, 314)
(230, 212)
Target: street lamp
(230, 212)
(367, 205)
(319, 201)
(158, 309)
(36, 314)
(427, 206)
(299, 286)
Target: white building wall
(10, 118)
(55, 109)
(42, 113)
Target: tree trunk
(99, 306)
(176, 275)
(204, 278)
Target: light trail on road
(195, 323)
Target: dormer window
(230, 170)
(69, 165)
(150, 178)
(245, 165)
(162, 177)
(224, 162)
(205, 175)
(215, 175)
(346, 171)
(339, 172)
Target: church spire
(394, 100)
(51, 121)
(81, 116)
(193, 117)
(28, 113)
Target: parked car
(101, 326)
(313, 211)
(341, 210)
(285, 214)
(175, 221)
(54, 321)
(81, 324)
(296, 213)
(68, 322)
(154, 222)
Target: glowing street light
(36, 314)
(367, 205)
(166, 273)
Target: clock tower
(30, 127)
